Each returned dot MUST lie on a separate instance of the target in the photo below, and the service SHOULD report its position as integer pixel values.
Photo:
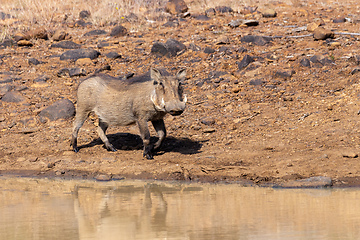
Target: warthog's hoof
(110, 148)
(76, 149)
(149, 156)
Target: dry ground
(248, 126)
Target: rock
(312, 182)
(84, 62)
(60, 35)
(84, 14)
(82, 23)
(62, 109)
(223, 9)
(95, 32)
(41, 79)
(321, 33)
(5, 89)
(33, 61)
(355, 59)
(247, 59)
(4, 16)
(176, 7)
(194, 47)
(208, 121)
(312, 26)
(350, 154)
(238, 22)
(13, 96)
(339, 20)
(320, 60)
(257, 82)
(113, 55)
(284, 74)
(72, 72)
(103, 177)
(79, 53)
(118, 31)
(305, 62)
(171, 24)
(209, 50)
(222, 40)
(355, 70)
(38, 33)
(66, 45)
(24, 43)
(257, 40)
(209, 130)
(7, 43)
(210, 12)
(170, 49)
(202, 17)
(269, 13)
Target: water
(59, 209)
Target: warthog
(129, 101)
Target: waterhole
(69, 209)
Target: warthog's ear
(155, 74)
(181, 74)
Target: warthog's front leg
(145, 136)
(159, 126)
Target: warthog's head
(167, 95)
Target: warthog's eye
(155, 82)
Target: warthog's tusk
(185, 98)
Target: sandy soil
(274, 121)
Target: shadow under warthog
(128, 141)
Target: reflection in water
(58, 209)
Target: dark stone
(79, 53)
(13, 96)
(245, 62)
(4, 16)
(82, 23)
(8, 43)
(174, 47)
(339, 20)
(113, 55)
(171, 24)
(71, 72)
(208, 121)
(209, 50)
(284, 74)
(66, 45)
(257, 82)
(118, 31)
(305, 62)
(95, 33)
(159, 49)
(62, 109)
(355, 70)
(312, 182)
(257, 40)
(41, 79)
(321, 59)
(355, 59)
(84, 14)
(4, 89)
(201, 17)
(194, 47)
(132, 18)
(210, 12)
(170, 49)
(34, 61)
(217, 74)
(223, 9)
(242, 50)
(104, 68)
(103, 44)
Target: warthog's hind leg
(79, 121)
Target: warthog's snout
(176, 107)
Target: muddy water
(59, 209)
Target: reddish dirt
(281, 129)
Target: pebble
(176, 7)
(321, 33)
(25, 43)
(312, 26)
(208, 120)
(66, 45)
(60, 35)
(95, 32)
(79, 53)
(103, 177)
(13, 96)
(269, 13)
(118, 31)
(247, 59)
